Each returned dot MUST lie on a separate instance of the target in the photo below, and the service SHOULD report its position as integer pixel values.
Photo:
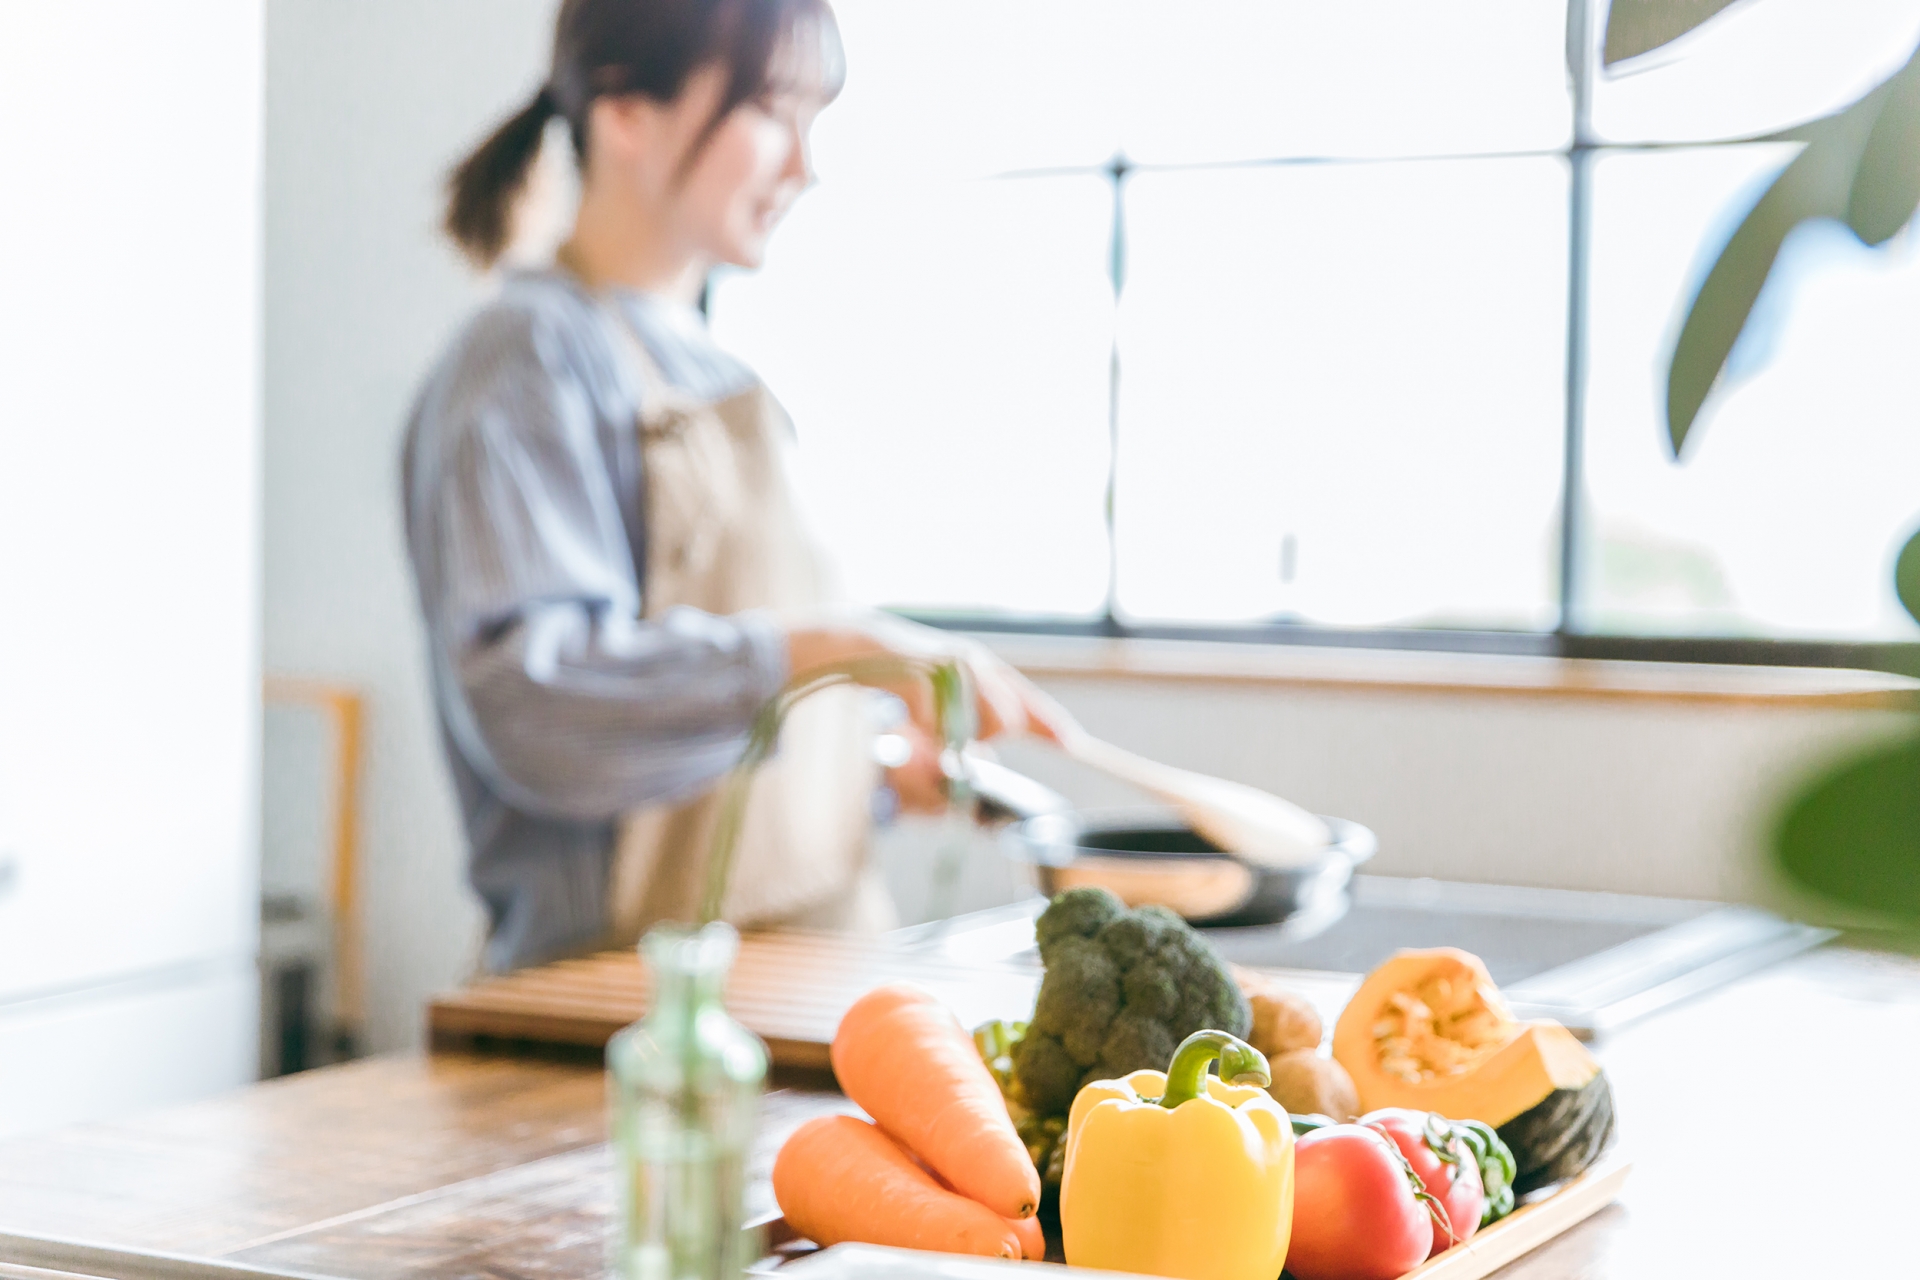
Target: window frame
(1568, 638)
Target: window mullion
(1581, 26)
(1116, 173)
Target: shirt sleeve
(563, 699)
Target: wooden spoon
(1253, 825)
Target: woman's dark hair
(604, 48)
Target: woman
(613, 567)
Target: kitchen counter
(1772, 1125)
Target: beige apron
(726, 533)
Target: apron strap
(654, 395)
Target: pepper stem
(1240, 1063)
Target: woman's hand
(1005, 700)
(1018, 705)
(918, 782)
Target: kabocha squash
(1429, 1030)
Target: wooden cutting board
(788, 987)
(1545, 1216)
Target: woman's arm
(562, 698)
(558, 693)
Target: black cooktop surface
(1518, 932)
(1592, 961)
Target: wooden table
(1772, 1125)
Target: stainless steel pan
(1146, 856)
(1149, 855)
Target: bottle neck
(689, 966)
(690, 990)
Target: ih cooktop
(1593, 961)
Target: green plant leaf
(1818, 184)
(1906, 576)
(1635, 27)
(1854, 835)
(1886, 183)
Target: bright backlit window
(1258, 316)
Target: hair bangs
(772, 47)
(809, 58)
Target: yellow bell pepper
(1179, 1174)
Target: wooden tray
(791, 988)
(1531, 1225)
(1526, 1229)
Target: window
(1282, 319)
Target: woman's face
(748, 175)
(723, 201)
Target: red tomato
(1444, 1166)
(1355, 1216)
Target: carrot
(1033, 1241)
(838, 1178)
(909, 1063)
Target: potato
(1282, 1021)
(1307, 1084)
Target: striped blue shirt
(559, 706)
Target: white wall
(1673, 798)
(369, 102)
(129, 676)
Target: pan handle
(1002, 795)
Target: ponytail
(482, 191)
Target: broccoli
(1077, 913)
(1122, 989)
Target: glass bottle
(684, 1086)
